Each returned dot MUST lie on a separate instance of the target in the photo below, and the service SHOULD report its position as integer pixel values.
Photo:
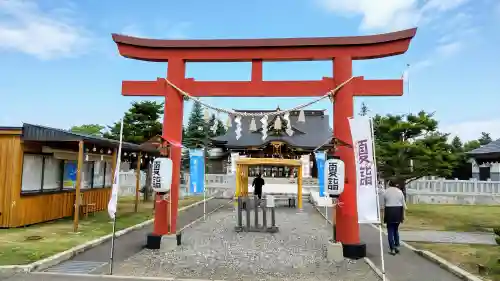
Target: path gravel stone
(213, 250)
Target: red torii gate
(341, 50)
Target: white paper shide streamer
(288, 130)
(263, 121)
(237, 120)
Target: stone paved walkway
(407, 266)
(213, 250)
(447, 237)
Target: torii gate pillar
(343, 107)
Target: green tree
(212, 121)
(364, 109)
(196, 130)
(457, 145)
(471, 145)
(140, 123)
(485, 138)
(88, 129)
(409, 147)
(221, 129)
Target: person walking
(258, 183)
(394, 215)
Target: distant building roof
(490, 150)
(311, 134)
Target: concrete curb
(68, 254)
(443, 263)
(367, 260)
(121, 277)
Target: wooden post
(137, 181)
(299, 188)
(78, 186)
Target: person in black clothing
(257, 184)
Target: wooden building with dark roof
(44, 170)
(314, 133)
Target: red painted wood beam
(263, 88)
(272, 49)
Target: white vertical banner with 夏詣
(366, 173)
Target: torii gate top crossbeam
(280, 49)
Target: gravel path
(213, 250)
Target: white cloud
(167, 31)
(472, 130)
(391, 15)
(449, 49)
(132, 30)
(24, 27)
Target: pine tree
(221, 130)
(210, 126)
(364, 109)
(195, 132)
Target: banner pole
(378, 202)
(204, 182)
(113, 202)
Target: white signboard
(366, 188)
(162, 174)
(334, 176)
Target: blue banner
(196, 171)
(320, 165)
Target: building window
(108, 178)
(87, 174)
(45, 173)
(99, 174)
(32, 173)
(52, 173)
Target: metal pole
(112, 254)
(264, 217)
(273, 218)
(256, 212)
(240, 207)
(247, 209)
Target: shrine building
(312, 133)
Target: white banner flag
(113, 201)
(366, 173)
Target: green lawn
(32, 243)
(467, 257)
(471, 218)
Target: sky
(59, 66)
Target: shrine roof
(491, 149)
(267, 42)
(311, 134)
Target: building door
(484, 173)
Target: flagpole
(113, 202)
(204, 183)
(378, 203)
